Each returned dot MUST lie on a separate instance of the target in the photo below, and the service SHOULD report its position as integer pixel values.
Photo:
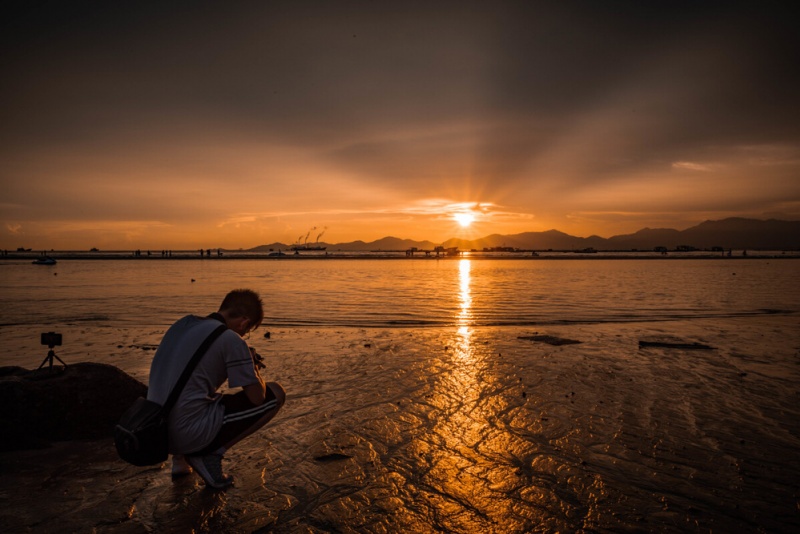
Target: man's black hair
(244, 303)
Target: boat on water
(47, 260)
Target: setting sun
(464, 219)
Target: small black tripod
(49, 358)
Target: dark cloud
(308, 71)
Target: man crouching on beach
(204, 424)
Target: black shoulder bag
(141, 435)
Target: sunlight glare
(464, 318)
(464, 218)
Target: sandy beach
(470, 430)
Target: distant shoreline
(401, 255)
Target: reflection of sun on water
(462, 429)
(468, 462)
(465, 298)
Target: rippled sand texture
(432, 430)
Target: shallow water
(460, 427)
(387, 293)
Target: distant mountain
(273, 247)
(746, 233)
(647, 239)
(387, 243)
(732, 233)
(551, 239)
(729, 233)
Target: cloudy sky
(234, 124)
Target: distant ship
(305, 244)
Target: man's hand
(258, 360)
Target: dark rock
(675, 345)
(551, 340)
(81, 401)
(12, 370)
(332, 457)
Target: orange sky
(239, 124)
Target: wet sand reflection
(429, 431)
(471, 472)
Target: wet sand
(471, 430)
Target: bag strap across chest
(184, 378)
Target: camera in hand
(258, 359)
(51, 339)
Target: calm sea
(398, 292)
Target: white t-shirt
(196, 417)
